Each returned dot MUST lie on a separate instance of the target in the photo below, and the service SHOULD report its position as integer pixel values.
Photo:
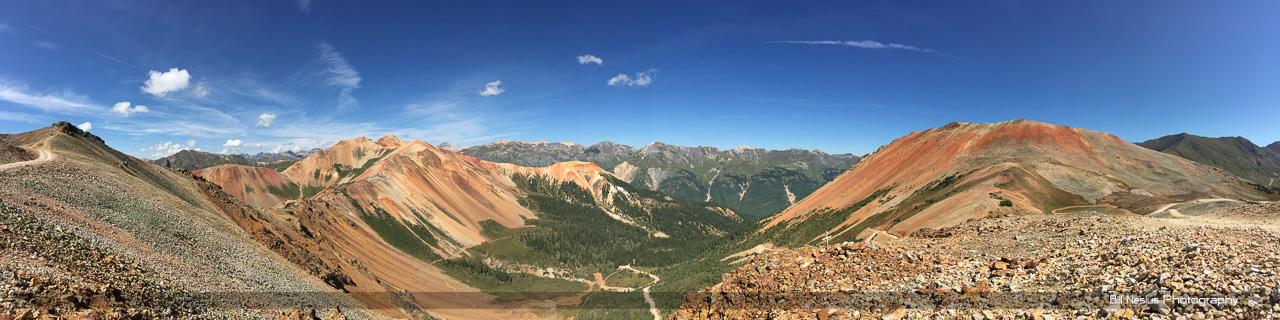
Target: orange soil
(1086, 163)
(238, 179)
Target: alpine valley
(639, 160)
(390, 228)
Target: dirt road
(1105, 206)
(45, 156)
(653, 307)
(1167, 206)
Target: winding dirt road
(1167, 206)
(1107, 206)
(653, 307)
(45, 156)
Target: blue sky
(250, 76)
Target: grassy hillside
(1236, 155)
(574, 231)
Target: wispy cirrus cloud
(33, 27)
(64, 102)
(47, 45)
(341, 75)
(181, 120)
(305, 6)
(22, 117)
(871, 44)
(456, 115)
(111, 58)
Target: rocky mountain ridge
(753, 181)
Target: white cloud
(62, 102)
(587, 58)
(123, 108)
(642, 79)
(265, 120)
(4, 26)
(232, 146)
(85, 126)
(304, 5)
(47, 45)
(342, 75)
(200, 89)
(164, 149)
(161, 83)
(492, 89)
(872, 44)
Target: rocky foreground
(1021, 267)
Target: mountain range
(754, 182)
(194, 160)
(404, 229)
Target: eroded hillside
(942, 177)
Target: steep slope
(926, 182)
(941, 177)
(414, 217)
(257, 186)
(93, 228)
(1274, 147)
(10, 153)
(193, 160)
(421, 185)
(1237, 155)
(449, 196)
(339, 163)
(540, 154)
